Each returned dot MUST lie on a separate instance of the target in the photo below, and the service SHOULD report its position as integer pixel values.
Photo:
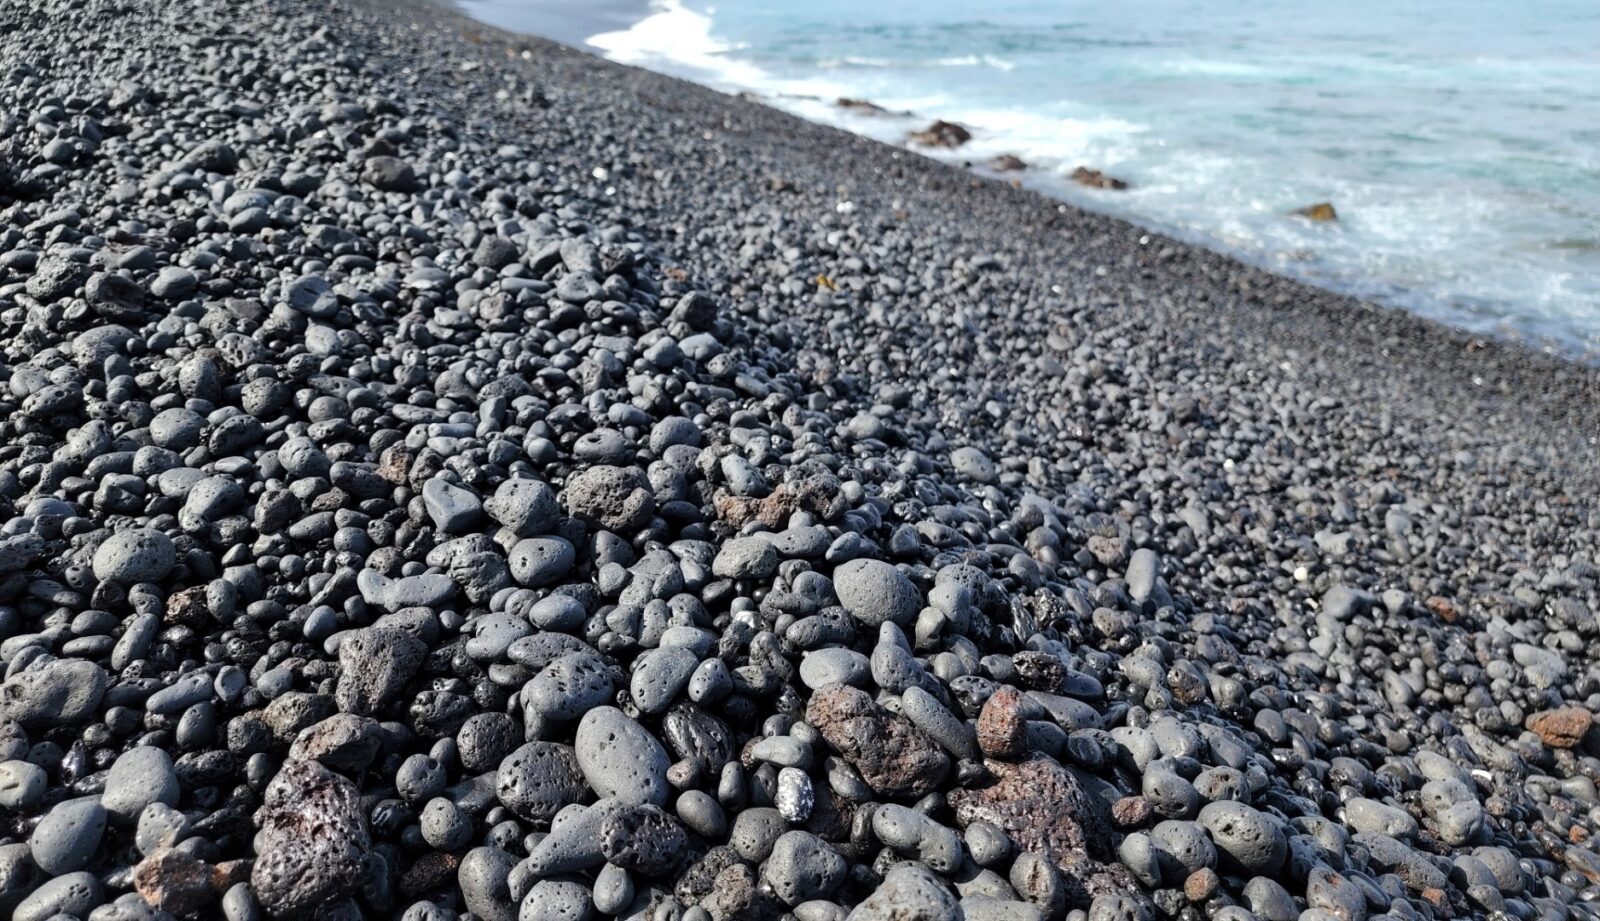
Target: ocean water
(1459, 140)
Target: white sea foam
(1464, 220)
(860, 62)
(675, 34)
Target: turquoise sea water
(1459, 140)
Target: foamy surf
(1458, 184)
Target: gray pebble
(66, 838)
(802, 867)
(140, 776)
(22, 785)
(746, 558)
(482, 877)
(540, 561)
(1269, 900)
(620, 758)
(755, 830)
(444, 825)
(527, 508)
(1253, 840)
(539, 779)
(659, 675)
(454, 510)
(174, 282)
(834, 665)
(72, 895)
(556, 900)
(909, 892)
(137, 555)
(54, 692)
(570, 686)
(971, 463)
(875, 592)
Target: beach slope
(444, 472)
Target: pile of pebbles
(444, 477)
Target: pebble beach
(446, 476)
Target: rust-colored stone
(1043, 808)
(174, 881)
(942, 134)
(1563, 727)
(1095, 179)
(1201, 885)
(1002, 732)
(818, 494)
(1584, 861)
(394, 464)
(1442, 608)
(895, 758)
(1039, 804)
(314, 842)
(226, 875)
(188, 608)
(1440, 900)
(1321, 211)
(1131, 812)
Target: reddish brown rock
(1442, 608)
(188, 608)
(894, 757)
(1095, 179)
(226, 875)
(1562, 728)
(942, 134)
(1039, 804)
(863, 106)
(819, 494)
(1439, 900)
(1002, 732)
(174, 881)
(1201, 885)
(394, 464)
(1131, 812)
(1321, 211)
(1043, 808)
(1008, 163)
(1584, 862)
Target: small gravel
(447, 476)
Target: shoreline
(1536, 333)
(1276, 305)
